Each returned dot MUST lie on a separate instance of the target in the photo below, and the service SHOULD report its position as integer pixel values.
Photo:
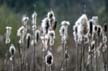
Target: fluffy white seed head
(105, 27)
(28, 35)
(8, 33)
(34, 16)
(92, 46)
(79, 21)
(21, 32)
(28, 39)
(37, 35)
(51, 15)
(65, 23)
(45, 40)
(49, 58)
(75, 30)
(8, 28)
(25, 20)
(12, 49)
(34, 28)
(45, 25)
(81, 28)
(63, 33)
(95, 19)
(51, 34)
(100, 30)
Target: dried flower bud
(12, 49)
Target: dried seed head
(76, 29)
(65, 23)
(37, 35)
(91, 27)
(7, 34)
(95, 19)
(12, 49)
(8, 28)
(49, 58)
(34, 16)
(62, 30)
(95, 28)
(92, 45)
(75, 32)
(99, 30)
(28, 38)
(50, 14)
(45, 25)
(105, 28)
(25, 20)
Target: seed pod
(65, 23)
(25, 20)
(99, 30)
(28, 38)
(49, 58)
(50, 15)
(95, 19)
(105, 28)
(91, 47)
(37, 35)
(12, 49)
(76, 29)
(51, 34)
(8, 33)
(95, 28)
(91, 27)
(34, 16)
(45, 26)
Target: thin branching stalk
(12, 66)
(76, 57)
(34, 57)
(104, 61)
(96, 54)
(50, 68)
(61, 66)
(42, 58)
(83, 58)
(20, 55)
